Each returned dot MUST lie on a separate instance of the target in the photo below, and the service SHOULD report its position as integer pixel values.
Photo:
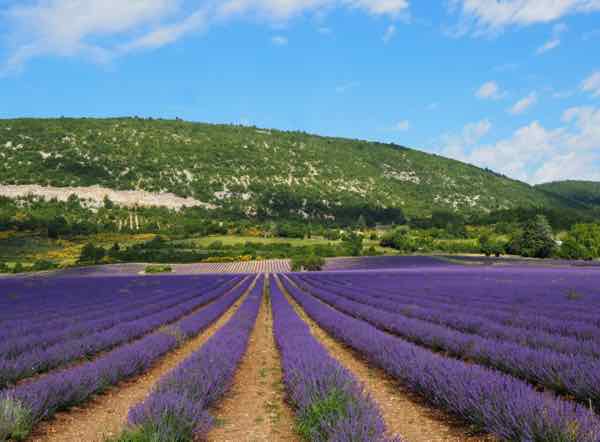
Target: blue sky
(512, 85)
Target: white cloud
(523, 104)
(536, 154)
(390, 32)
(471, 134)
(167, 34)
(555, 40)
(402, 126)
(494, 15)
(279, 40)
(592, 84)
(104, 29)
(281, 10)
(276, 10)
(433, 106)
(380, 7)
(489, 91)
(66, 27)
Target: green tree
(353, 243)
(582, 242)
(361, 224)
(90, 254)
(57, 227)
(399, 239)
(114, 251)
(310, 263)
(490, 247)
(537, 240)
(108, 204)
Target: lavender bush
(493, 402)
(40, 360)
(176, 410)
(61, 390)
(330, 403)
(576, 375)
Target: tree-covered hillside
(584, 192)
(249, 170)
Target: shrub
(399, 239)
(372, 251)
(582, 242)
(158, 269)
(353, 243)
(311, 263)
(43, 264)
(323, 414)
(490, 247)
(332, 235)
(15, 420)
(90, 254)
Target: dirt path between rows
(254, 409)
(105, 415)
(405, 414)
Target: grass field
(27, 248)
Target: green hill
(251, 170)
(584, 192)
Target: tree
(399, 239)
(310, 263)
(114, 251)
(108, 204)
(57, 227)
(537, 240)
(582, 242)
(90, 254)
(490, 247)
(361, 224)
(353, 243)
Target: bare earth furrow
(254, 409)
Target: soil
(255, 409)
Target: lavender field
(384, 349)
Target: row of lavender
(177, 408)
(60, 302)
(574, 374)
(100, 335)
(528, 290)
(492, 401)
(27, 404)
(330, 403)
(525, 300)
(121, 308)
(463, 319)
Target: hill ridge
(251, 170)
